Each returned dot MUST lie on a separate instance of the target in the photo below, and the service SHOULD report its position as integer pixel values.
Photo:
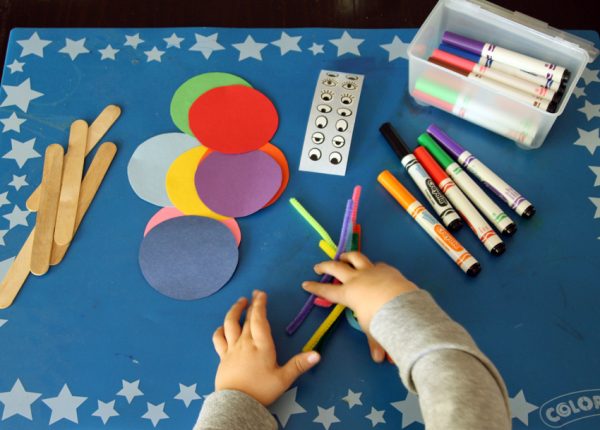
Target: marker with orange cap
(434, 229)
(473, 218)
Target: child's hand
(365, 288)
(248, 361)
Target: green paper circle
(193, 88)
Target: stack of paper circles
(220, 168)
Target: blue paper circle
(188, 257)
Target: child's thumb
(300, 364)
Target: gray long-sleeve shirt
(458, 386)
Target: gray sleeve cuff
(234, 410)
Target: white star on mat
(173, 41)
(17, 401)
(154, 55)
(287, 43)
(249, 49)
(376, 417)
(17, 217)
(326, 417)
(2, 243)
(578, 92)
(286, 406)
(20, 95)
(64, 406)
(18, 182)
(2, 322)
(12, 123)
(34, 45)
(353, 399)
(520, 409)
(4, 199)
(410, 410)
(21, 151)
(15, 66)
(347, 44)
(206, 44)
(130, 390)
(4, 268)
(187, 394)
(596, 202)
(396, 49)
(155, 413)
(105, 411)
(589, 76)
(133, 40)
(74, 48)
(315, 48)
(108, 53)
(589, 139)
(590, 110)
(595, 169)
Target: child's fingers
(337, 269)
(246, 332)
(377, 351)
(219, 341)
(298, 365)
(259, 324)
(231, 324)
(331, 292)
(357, 259)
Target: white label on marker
(523, 62)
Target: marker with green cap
(486, 205)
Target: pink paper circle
(237, 185)
(233, 225)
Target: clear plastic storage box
(472, 99)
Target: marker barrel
(461, 257)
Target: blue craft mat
(93, 321)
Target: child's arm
(248, 378)
(458, 386)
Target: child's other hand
(248, 359)
(365, 288)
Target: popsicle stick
(17, 274)
(46, 218)
(71, 183)
(89, 186)
(96, 131)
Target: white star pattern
(410, 410)
(155, 413)
(396, 49)
(315, 48)
(287, 43)
(590, 110)
(4, 199)
(74, 48)
(249, 49)
(173, 41)
(133, 40)
(20, 95)
(17, 401)
(347, 44)
(15, 66)
(17, 217)
(520, 409)
(18, 182)
(187, 394)
(2, 322)
(130, 390)
(589, 76)
(206, 44)
(578, 92)
(2, 243)
(595, 169)
(353, 399)
(589, 139)
(64, 406)
(105, 411)
(154, 54)
(12, 123)
(4, 267)
(326, 417)
(33, 46)
(21, 151)
(286, 406)
(376, 417)
(108, 53)
(596, 202)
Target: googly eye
(341, 125)
(349, 86)
(326, 95)
(321, 122)
(338, 141)
(317, 137)
(324, 108)
(314, 154)
(352, 77)
(344, 112)
(332, 75)
(330, 82)
(347, 99)
(335, 158)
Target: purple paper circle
(237, 185)
(188, 257)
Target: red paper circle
(233, 119)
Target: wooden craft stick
(46, 218)
(89, 186)
(96, 131)
(71, 183)
(17, 274)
